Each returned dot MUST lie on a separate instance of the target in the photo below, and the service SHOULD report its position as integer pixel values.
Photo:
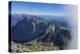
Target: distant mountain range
(30, 28)
(62, 21)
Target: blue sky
(39, 8)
